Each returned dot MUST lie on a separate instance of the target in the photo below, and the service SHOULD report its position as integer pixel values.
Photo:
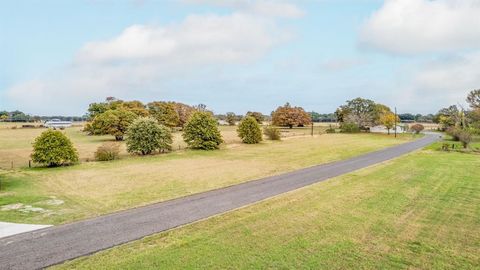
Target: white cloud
(439, 83)
(418, 26)
(135, 63)
(340, 64)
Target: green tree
(288, 116)
(113, 122)
(201, 131)
(164, 112)
(249, 130)
(230, 118)
(257, 115)
(53, 148)
(145, 136)
(362, 112)
(473, 99)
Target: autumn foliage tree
(417, 128)
(184, 112)
(388, 119)
(288, 116)
(164, 112)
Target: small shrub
(272, 133)
(107, 151)
(465, 137)
(53, 148)
(249, 130)
(454, 132)
(330, 129)
(201, 131)
(145, 136)
(349, 127)
(417, 128)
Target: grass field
(16, 144)
(59, 195)
(421, 211)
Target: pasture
(418, 212)
(65, 194)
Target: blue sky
(241, 55)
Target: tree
(231, 118)
(450, 117)
(473, 99)
(417, 128)
(184, 112)
(95, 109)
(363, 112)
(3, 115)
(164, 112)
(201, 131)
(113, 122)
(145, 136)
(379, 113)
(249, 130)
(407, 117)
(135, 107)
(388, 119)
(257, 115)
(465, 136)
(53, 148)
(288, 116)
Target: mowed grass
(420, 211)
(16, 144)
(94, 188)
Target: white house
(383, 129)
(57, 123)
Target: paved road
(57, 244)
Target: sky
(56, 57)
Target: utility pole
(395, 122)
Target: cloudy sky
(59, 56)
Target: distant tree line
(18, 116)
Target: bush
(249, 130)
(272, 133)
(417, 128)
(53, 148)
(454, 132)
(145, 136)
(349, 127)
(466, 137)
(201, 131)
(107, 151)
(330, 129)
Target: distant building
(57, 123)
(383, 129)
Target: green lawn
(420, 211)
(59, 195)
